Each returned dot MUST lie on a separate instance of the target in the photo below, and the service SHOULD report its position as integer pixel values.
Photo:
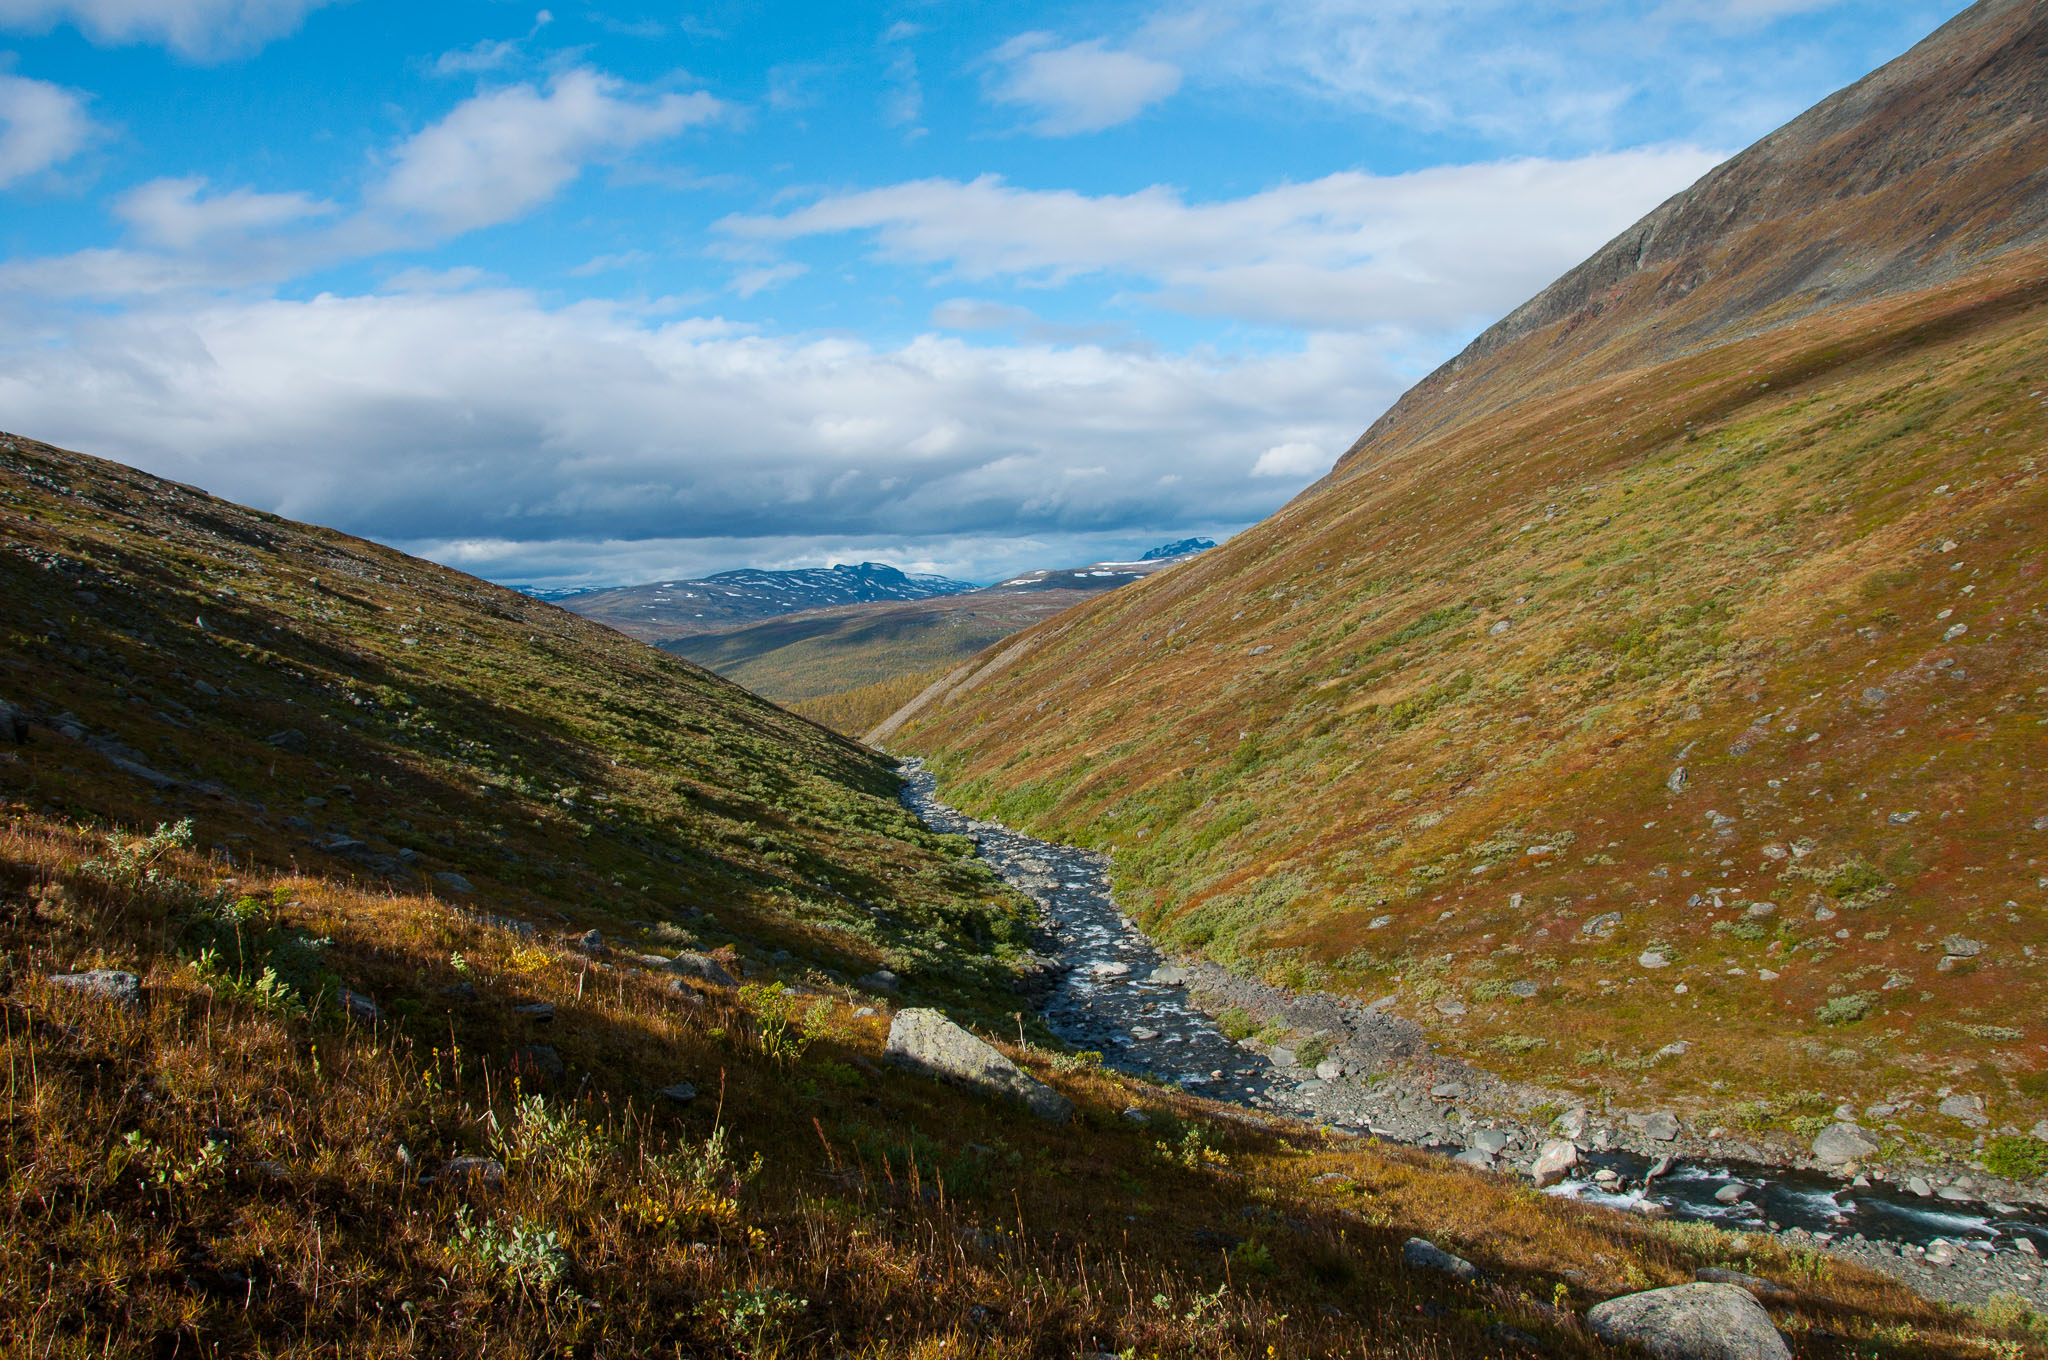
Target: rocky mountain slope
(391, 964)
(671, 609)
(1652, 702)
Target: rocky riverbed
(1361, 1069)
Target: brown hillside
(1736, 632)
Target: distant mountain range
(670, 609)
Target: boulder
(1492, 1142)
(1170, 975)
(109, 984)
(291, 739)
(1842, 1143)
(454, 882)
(537, 1061)
(1662, 1127)
(1962, 947)
(704, 968)
(1690, 1322)
(591, 944)
(1969, 1109)
(13, 724)
(881, 980)
(924, 1040)
(1601, 927)
(1553, 1160)
(1731, 1193)
(360, 1008)
(472, 1173)
(1475, 1159)
(682, 1093)
(1329, 1069)
(1419, 1254)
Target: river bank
(1338, 1063)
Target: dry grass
(235, 1170)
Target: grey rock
(1969, 1109)
(1448, 1090)
(13, 724)
(1170, 975)
(2041, 1129)
(1954, 1194)
(454, 882)
(1841, 1143)
(1449, 1005)
(1111, 968)
(704, 968)
(1329, 1069)
(1474, 1158)
(1525, 990)
(1661, 1127)
(472, 1173)
(1282, 1057)
(682, 1093)
(109, 984)
(1962, 947)
(1653, 958)
(1762, 1290)
(291, 739)
(1690, 1322)
(1602, 927)
(1492, 1142)
(1420, 1254)
(537, 1060)
(1554, 1160)
(1920, 1186)
(461, 991)
(1572, 1123)
(1730, 1193)
(360, 1008)
(926, 1041)
(1676, 781)
(591, 944)
(541, 1012)
(881, 980)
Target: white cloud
(172, 212)
(41, 125)
(1295, 460)
(503, 153)
(1431, 251)
(200, 29)
(752, 281)
(487, 55)
(1085, 87)
(484, 416)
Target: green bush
(2017, 1157)
(1844, 1010)
(1237, 1023)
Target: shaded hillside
(1596, 708)
(669, 609)
(306, 697)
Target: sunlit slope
(306, 697)
(1763, 625)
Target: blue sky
(585, 295)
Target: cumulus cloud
(1295, 460)
(179, 214)
(41, 125)
(1084, 87)
(203, 30)
(1428, 251)
(486, 417)
(503, 153)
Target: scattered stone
(1499, 626)
(1329, 1069)
(472, 1173)
(1475, 1159)
(1492, 1142)
(454, 882)
(1523, 990)
(1653, 958)
(461, 991)
(1281, 1055)
(1134, 1114)
(1954, 1194)
(1554, 1160)
(360, 1008)
(1418, 1254)
(109, 984)
(881, 980)
(1676, 781)
(2026, 1246)
(540, 1012)
(1690, 1322)
(291, 740)
(1962, 947)
(1572, 1123)
(925, 1040)
(1448, 1090)
(1169, 975)
(1969, 1109)
(1920, 1186)
(13, 724)
(591, 944)
(1763, 1291)
(1662, 1127)
(1111, 968)
(704, 968)
(1730, 1193)
(537, 1060)
(1602, 927)
(1841, 1143)
(1940, 1254)
(682, 1093)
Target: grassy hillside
(272, 1149)
(829, 651)
(856, 712)
(308, 698)
(1698, 684)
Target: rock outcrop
(1691, 1322)
(926, 1041)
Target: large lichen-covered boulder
(926, 1041)
(1691, 1322)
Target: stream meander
(1117, 994)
